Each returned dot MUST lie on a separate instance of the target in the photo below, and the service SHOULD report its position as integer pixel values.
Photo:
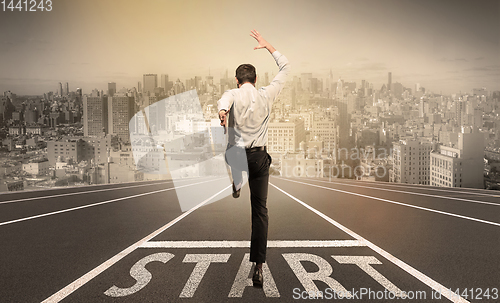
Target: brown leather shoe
(236, 193)
(258, 279)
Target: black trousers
(258, 181)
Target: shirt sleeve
(273, 90)
(226, 101)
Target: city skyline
(446, 46)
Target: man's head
(246, 73)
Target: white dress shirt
(250, 108)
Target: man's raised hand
(262, 42)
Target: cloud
(29, 80)
(444, 59)
(495, 67)
(375, 66)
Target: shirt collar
(247, 84)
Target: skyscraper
(60, 89)
(121, 110)
(389, 81)
(111, 89)
(67, 89)
(411, 162)
(150, 83)
(305, 79)
(95, 114)
(164, 82)
(343, 118)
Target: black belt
(255, 149)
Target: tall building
(417, 87)
(479, 91)
(150, 82)
(396, 89)
(411, 162)
(60, 89)
(461, 112)
(305, 79)
(389, 80)
(121, 108)
(343, 116)
(67, 89)
(326, 131)
(462, 166)
(165, 83)
(285, 136)
(95, 114)
(111, 89)
(76, 149)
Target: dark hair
(246, 73)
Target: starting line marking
(66, 291)
(246, 244)
(412, 271)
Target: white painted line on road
(96, 204)
(412, 271)
(44, 189)
(79, 193)
(406, 192)
(66, 291)
(459, 190)
(246, 244)
(86, 191)
(399, 203)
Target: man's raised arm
(278, 82)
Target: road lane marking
(410, 193)
(246, 244)
(460, 190)
(95, 204)
(66, 291)
(323, 274)
(412, 271)
(82, 192)
(78, 193)
(399, 203)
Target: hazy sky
(446, 46)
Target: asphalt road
(342, 239)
